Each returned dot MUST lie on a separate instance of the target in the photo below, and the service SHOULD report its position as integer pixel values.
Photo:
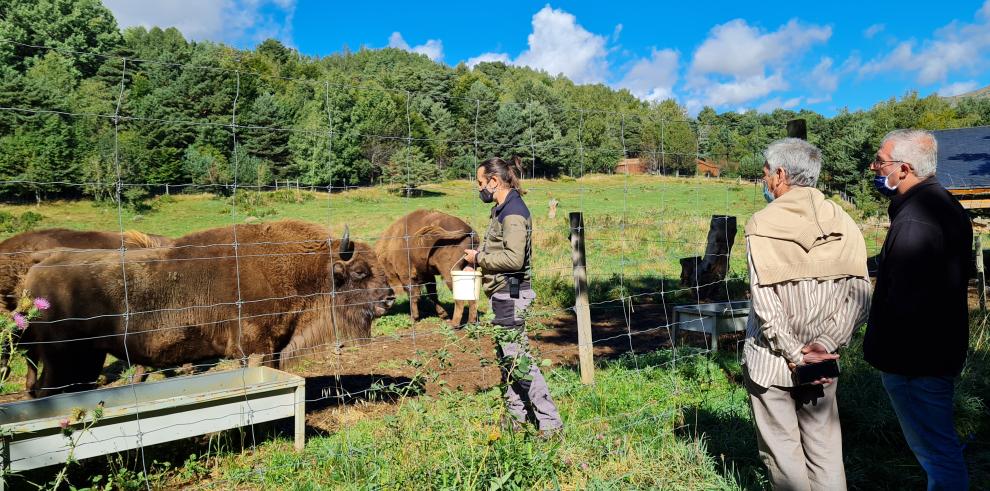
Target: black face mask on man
(486, 195)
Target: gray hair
(916, 147)
(801, 161)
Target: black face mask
(486, 195)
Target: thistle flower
(20, 320)
(41, 303)
(66, 429)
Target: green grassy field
(669, 420)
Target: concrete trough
(150, 413)
(711, 318)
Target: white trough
(150, 413)
(711, 318)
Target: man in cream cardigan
(809, 290)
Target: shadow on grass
(874, 451)
(415, 192)
(328, 390)
(628, 315)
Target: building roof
(964, 157)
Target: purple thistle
(41, 303)
(20, 320)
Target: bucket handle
(463, 259)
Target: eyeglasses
(879, 164)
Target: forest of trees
(67, 74)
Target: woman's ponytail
(509, 172)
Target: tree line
(84, 100)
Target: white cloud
(743, 90)
(488, 57)
(432, 48)
(731, 66)
(558, 44)
(777, 103)
(239, 22)
(616, 32)
(873, 30)
(653, 78)
(735, 48)
(823, 77)
(958, 88)
(952, 48)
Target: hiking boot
(511, 424)
(553, 435)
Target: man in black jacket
(918, 331)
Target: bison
(420, 246)
(19, 253)
(265, 292)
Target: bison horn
(346, 247)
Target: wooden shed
(633, 165)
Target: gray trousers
(519, 392)
(799, 437)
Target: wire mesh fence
(312, 296)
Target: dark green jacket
(507, 246)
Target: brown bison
(16, 253)
(264, 291)
(420, 246)
(19, 253)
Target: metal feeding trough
(711, 318)
(150, 413)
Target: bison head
(359, 279)
(359, 293)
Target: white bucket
(466, 285)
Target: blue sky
(728, 55)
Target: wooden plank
(975, 204)
(968, 191)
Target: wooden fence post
(581, 307)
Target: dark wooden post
(797, 128)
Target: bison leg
(458, 313)
(413, 290)
(31, 375)
(70, 373)
(473, 312)
(432, 296)
(4, 362)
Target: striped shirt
(786, 316)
